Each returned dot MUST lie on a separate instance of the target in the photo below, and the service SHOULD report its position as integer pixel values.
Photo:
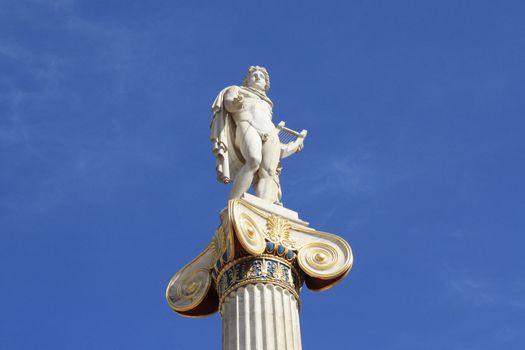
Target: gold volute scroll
(323, 260)
(188, 288)
(248, 232)
(188, 292)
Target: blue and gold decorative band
(260, 269)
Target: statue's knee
(265, 172)
(253, 163)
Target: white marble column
(260, 317)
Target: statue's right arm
(233, 99)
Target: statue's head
(257, 78)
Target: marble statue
(246, 144)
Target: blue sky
(414, 155)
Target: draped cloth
(228, 157)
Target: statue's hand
(237, 101)
(292, 147)
(300, 140)
(233, 100)
(300, 146)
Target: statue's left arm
(292, 147)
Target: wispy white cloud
(9, 51)
(474, 290)
(345, 173)
(42, 77)
(39, 76)
(469, 287)
(48, 117)
(354, 173)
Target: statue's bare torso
(254, 111)
(256, 138)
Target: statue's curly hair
(255, 69)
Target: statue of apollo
(247, 145)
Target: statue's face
(256, 80)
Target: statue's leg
(267, 188)
(250, 145)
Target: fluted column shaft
(260, 317)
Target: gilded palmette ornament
(278, 231)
